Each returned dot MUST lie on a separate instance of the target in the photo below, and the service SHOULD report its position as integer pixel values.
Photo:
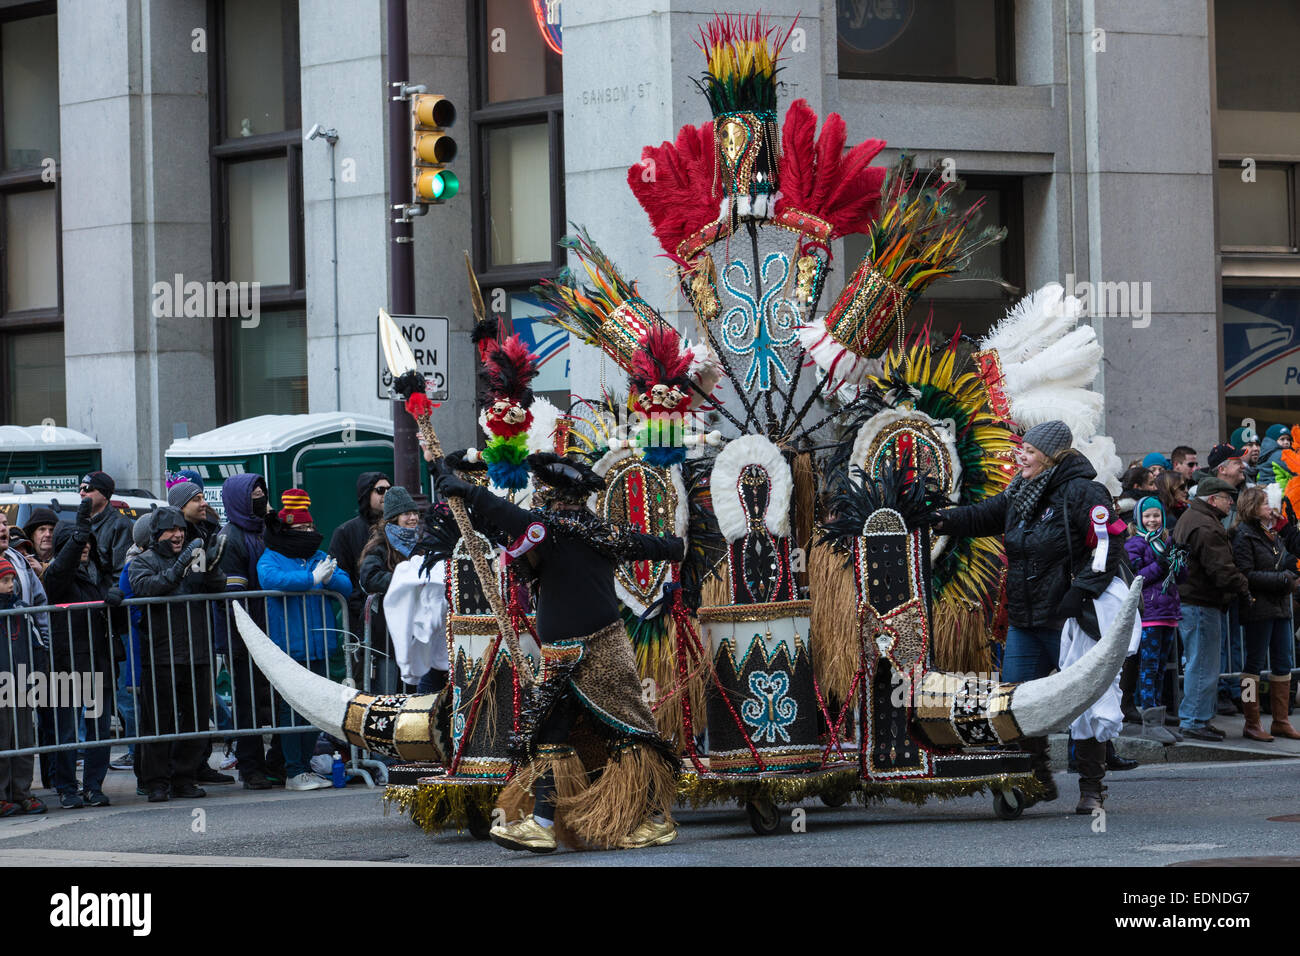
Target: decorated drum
(482, 700)
(481, 677)
(763, 660)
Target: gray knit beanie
(179, 494)
(1051, 438)
(398, 501)
(141, 531)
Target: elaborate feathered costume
(1038, 363)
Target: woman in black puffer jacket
(1270, 569)
(392, 541)
(1046, 516)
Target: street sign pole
(401, 273)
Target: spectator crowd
(1215, 546)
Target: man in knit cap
(40, 532)
(111, 528)
(187, 497)
(1213, 583)
(175, 657)
(1247, 440)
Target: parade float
(818, 641)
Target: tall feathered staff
(409, 384)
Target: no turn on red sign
(427, 337)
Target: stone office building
(152, 147)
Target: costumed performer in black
(592, 764)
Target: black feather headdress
(901, 490)
(439, 534)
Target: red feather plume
(797, 168)
(660, 361)
(821, 179)
(678, 192)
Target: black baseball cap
(1221, 453)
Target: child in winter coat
(1161, 565)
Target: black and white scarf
(1025, 494)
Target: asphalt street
(1159, 814)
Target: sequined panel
(642, 497)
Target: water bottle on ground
(338, 771)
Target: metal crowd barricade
(1237, 649)
(59, 677)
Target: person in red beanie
(305, 627)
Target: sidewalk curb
(1149, 752)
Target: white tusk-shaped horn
(1050, 704)
(320, 700)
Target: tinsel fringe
(962, 638)
(635, 783)
(436, 807)
(711, 791)
(439, 806)
(740, 789)
(836, 648)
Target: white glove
(323, 571)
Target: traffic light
(432, 148)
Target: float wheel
(764, 816)
(478, 823)
(1009, 804)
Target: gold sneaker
(525, 834)
(649, 833)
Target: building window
(268, 372)
(31, 288)
(516, 132)
(258, 205)
(975, 299)
(519, 64)
(1257, 213)
(945, 41)
(1256, 67)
